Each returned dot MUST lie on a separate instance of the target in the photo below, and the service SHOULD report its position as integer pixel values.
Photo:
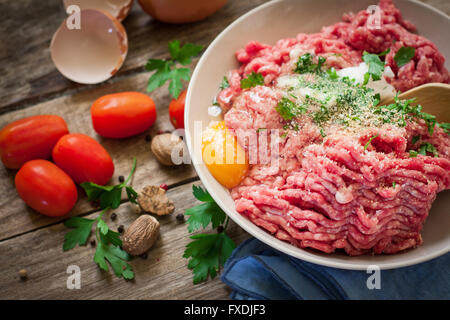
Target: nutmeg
(166, 146)
(153, 199)
(140, 235)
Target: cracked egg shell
(119, 9)
(94, 52)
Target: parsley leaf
(116, 257)
(80, 234)
(305, 64)
(286, 109)
(424, 148)
(185, 53)
(225, 84)
(415, 139)
(109, 242)
(110, 196)
(205, 213)
(254, 79)
(208, 252)
(368, 142)
(402, 110)
(376, 66)
(445, 126)
(332, 73)
(201, 194)
(166, 70)
(404, 55)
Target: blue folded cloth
(257, 271)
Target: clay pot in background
(181, 11)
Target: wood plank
(28, 73)
(75, 109)
(163, 275)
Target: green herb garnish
(108, 250)
(376, 67)
(402, 110)
(287, 109)
(254, 79)
(424, 148)
(404, 55)
(110, 196)
(166, 69)
(305, 64)
(368, 142)
(208, 252)
(224, 84)
(445, 126)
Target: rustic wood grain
(29, 240)
(163, 275)
(75, 109)
(28, 73)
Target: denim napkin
(257, 271)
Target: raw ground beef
(339, 192)
(342, 44)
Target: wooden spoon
(433, 97)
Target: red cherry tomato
(176, 111)
(30, 138)
(46, 188)
(83, 158)
(122, 115)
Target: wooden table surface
(30, 85)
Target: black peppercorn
(121, 179)
(113, 216)
(180, 217)
(220, 229)
(120, 229)
(93, 242)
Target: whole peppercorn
(23, 274)
(93, 242)
(220, 229)
(120, 229)
(121, 179)
(164, 186)
(113, 216)
(180, 217)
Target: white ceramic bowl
(286, 18)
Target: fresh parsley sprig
(252, 80)
(166, 69)
(305, 64)
(403, 110)
(208, 252)
(369, 142)
(376, 66)
(110, 196)
(404, 56)
(424, 148)
(109, 249)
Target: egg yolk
(224, 157)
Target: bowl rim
(256, 231)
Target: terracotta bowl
(181, 11)
(281, 19)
